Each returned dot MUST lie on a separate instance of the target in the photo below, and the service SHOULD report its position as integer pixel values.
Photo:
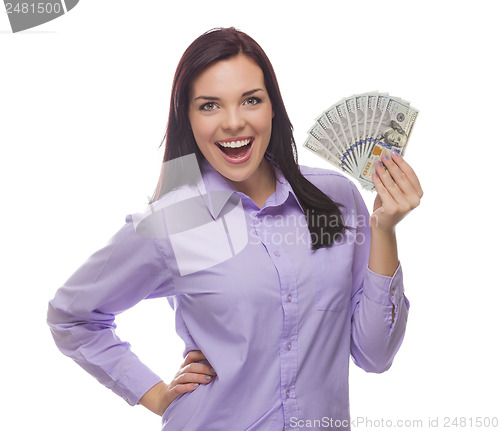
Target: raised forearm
(383, 257)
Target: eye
(209, 106)
(253, 100)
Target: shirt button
(287, 393)
(289, 298)
(289, 346)
(277, 253)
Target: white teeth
(234, 144)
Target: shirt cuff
(135, 383)
(384, 289)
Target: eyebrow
(246, 93)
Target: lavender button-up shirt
(276, 320)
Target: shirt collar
(216, 190)
(284, 190)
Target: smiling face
(231, 117)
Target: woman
(277, 274)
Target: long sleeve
(375, 337)
(81, 316)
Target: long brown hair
(221, 44)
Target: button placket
(287, 289)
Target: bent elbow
(61, 326)
(50, 315)
(56, 318)
(57, 324)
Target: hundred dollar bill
(353, 114)
(340, 125)
(347, 120)
(336, 147)
(362, 113)
(313, 145)
(392, 134)
(370, 113)
(321, 144)
(378, 107)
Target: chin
(236, 173)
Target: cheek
(264, 122)
(202, 131)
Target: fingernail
(207, 377)
(378, 163)
(385, 157)
(395, 154)
(195, 385)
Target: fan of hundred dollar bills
(355, 132)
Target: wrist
(156, 399)
(383, 258)
(383, 231)
(165, 398)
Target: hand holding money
(357, 131)
(398, 191)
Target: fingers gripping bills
(358, 130)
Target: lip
(242, 159)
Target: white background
(83, 108)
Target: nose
(233, 120)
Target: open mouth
(237, 150)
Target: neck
(260, 185)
